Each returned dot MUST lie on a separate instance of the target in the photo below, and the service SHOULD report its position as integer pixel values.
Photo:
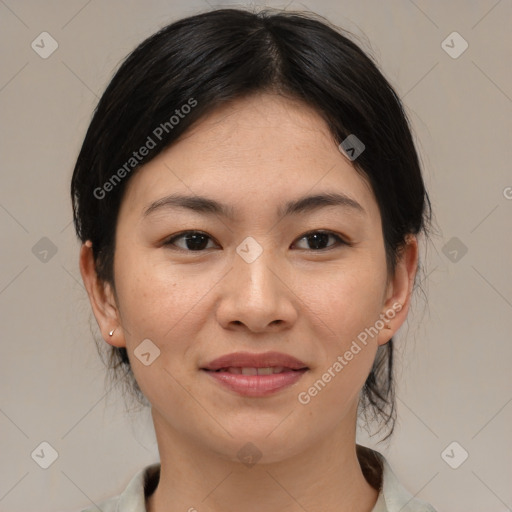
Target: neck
(327, 477)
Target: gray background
(454, 378)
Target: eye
(197, 241)
(193, 240)
(319, 239)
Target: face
(257, 275)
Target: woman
(249, 201)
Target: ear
(399, 290)
(102, 299)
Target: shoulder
(393, 497)
(133, 498)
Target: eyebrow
(210, 206)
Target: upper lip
(250, 360)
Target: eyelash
(339, 240)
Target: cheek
(166, 305)
(347, 300)
(347, 306)
(153, 295)
(157, 305)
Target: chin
(261, 443)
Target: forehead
(263, 148)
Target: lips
(255, 375)
(255, 364)
(251, 370)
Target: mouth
(256, 375)
(269, 370)
(247, 363)
(255, 384)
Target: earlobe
(101, 297)
(400, 289)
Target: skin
(254, 155)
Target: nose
(257, 296)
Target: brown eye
(192, 241)
(319, 240)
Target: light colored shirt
(393, 497)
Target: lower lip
(257, 385)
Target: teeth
(255, 371)
(265, 371)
